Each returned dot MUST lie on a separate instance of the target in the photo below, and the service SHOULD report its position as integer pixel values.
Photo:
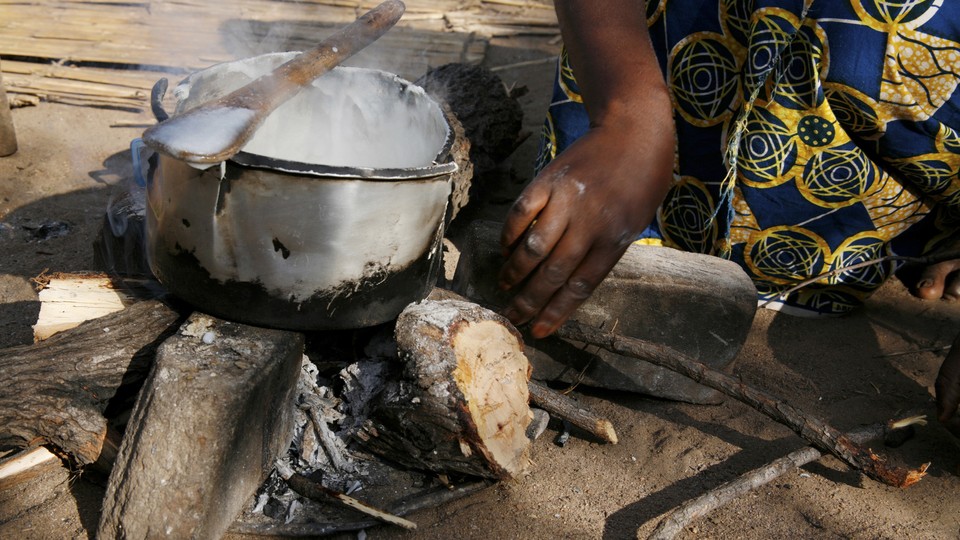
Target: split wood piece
(814, 430)
(213, 415)
(699, 507)
(57, 391)
(26, 465)
(567, 409)
(461, 403)
(66, 300)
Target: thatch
(124, 46)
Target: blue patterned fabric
(812, 135)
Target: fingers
(534, 246)
(561, 284)
(947, 385)
(574, 292)
(547, 278)
(523, 213)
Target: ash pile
(333, 402)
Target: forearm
(613, 59)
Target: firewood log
(57, 391)
(460, 403)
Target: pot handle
(137, 153)
(156, 99)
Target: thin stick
(929, 259)
(914, 351)
(312, 490)
(328, 440)
(699, 507)
(566, 408)
(524, 64)
(819, 433)
(421, 501)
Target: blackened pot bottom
(366, 302)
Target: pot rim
(449, 166)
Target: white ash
(323, 423)
(340, 401)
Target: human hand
(574, 221)
(947, 388)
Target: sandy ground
(858, 369)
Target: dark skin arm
(574, 221)
(947, 387)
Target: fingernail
(923, 284)
(540, 330)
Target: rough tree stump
(486, 122)
(461, 401)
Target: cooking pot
(330, 217)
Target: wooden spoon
(217, 130)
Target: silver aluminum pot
(331, 217)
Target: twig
(526, 63)
(914, 351)
(313, 490)
(566, 408)
(699, 507)
(819, 433)
(327, 439)
(927, 260)
(429, 499)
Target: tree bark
(567, 409)
(58, 391)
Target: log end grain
(492, 373)
(462, 402)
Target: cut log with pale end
(212, 417)
(58, 390)
(461, 402)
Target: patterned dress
(812, 135)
